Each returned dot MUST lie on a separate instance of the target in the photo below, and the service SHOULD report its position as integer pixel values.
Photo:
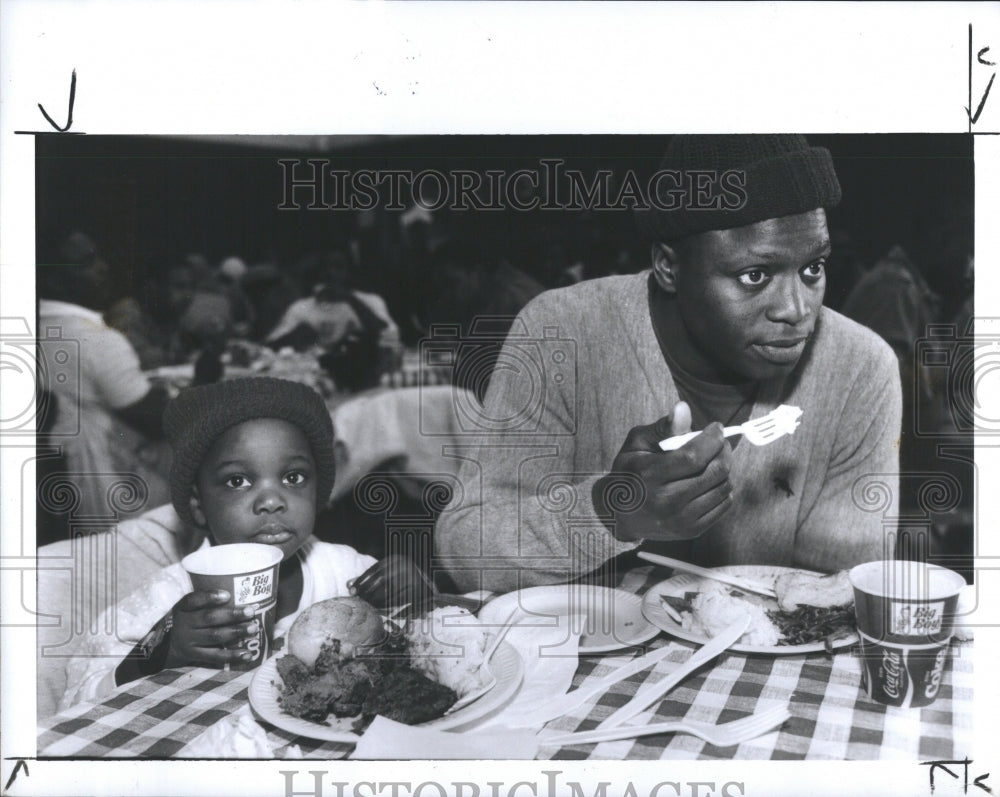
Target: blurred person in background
(108, 421)
(352, 329)
(270, 291)
(478, 295)
(229, 278)
(893, 299)
(212, 339)
(196, 315)
(128, 317)
(208, 305)
(921, 282)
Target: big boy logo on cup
(254, 588)
(905, 602)
(915, 619)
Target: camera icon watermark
(35, 371)
(541, 370)
(958, 373)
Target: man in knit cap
(566, 472)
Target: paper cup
(248, 571)
(905, 614)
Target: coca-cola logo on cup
(934, 683)
(892, 664)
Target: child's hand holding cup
(235, 631)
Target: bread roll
(355, 623)
(807, 589)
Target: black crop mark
(69, 114)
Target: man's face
(258, 484)
(749, 297)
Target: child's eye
(237, 481)
(295, 477)
(754, 278)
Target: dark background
(147, 201)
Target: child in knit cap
(253, 461)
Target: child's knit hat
(198, 415)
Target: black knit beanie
(781, 175)
(198, 415)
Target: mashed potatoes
(448, 646)
(714, 608)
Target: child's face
(258, 484)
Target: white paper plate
(685, 582)
(506, 665)
(611, 618)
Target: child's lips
(274, 535)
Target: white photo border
(182, 67)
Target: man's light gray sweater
(582, 366)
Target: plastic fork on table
(651, 693)
(566, 703)
(724, 735)
(745, 584)
(777, 423)
(491, 679)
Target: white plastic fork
(650, 693)
(777, 423)
(490, 679)
(724, 735)
(745, 584)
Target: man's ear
(665, 263)
(195, 503)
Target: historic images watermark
(36, 366)
(313, 783)
(42, 417)
(954, 370)
(321, 184)
(543, 364)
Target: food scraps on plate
(343, 659)
(809, 608)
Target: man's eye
(237, 481)
(753, 278)
(295, 477)
(814, 270)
